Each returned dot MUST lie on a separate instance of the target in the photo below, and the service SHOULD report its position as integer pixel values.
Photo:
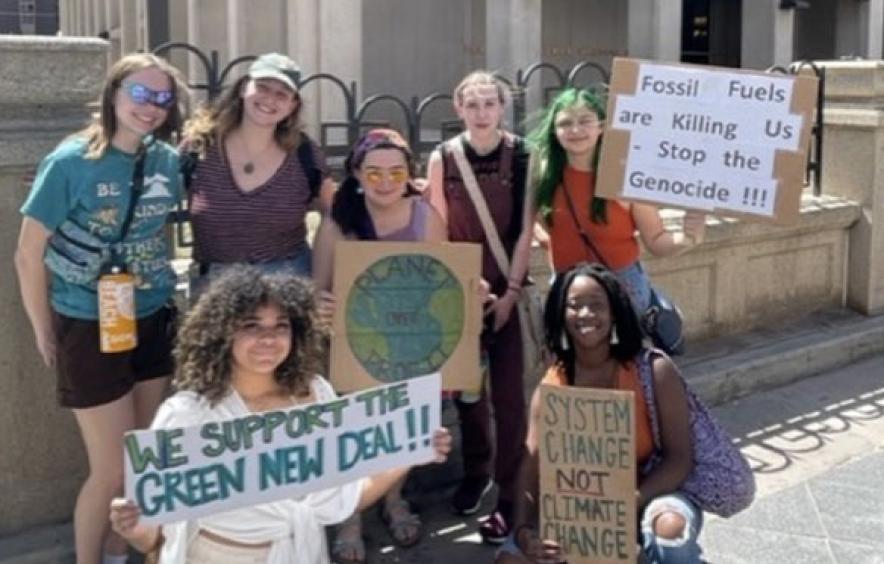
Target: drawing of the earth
(404, 316)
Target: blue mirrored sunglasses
(141, 95)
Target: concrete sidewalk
(816, 445)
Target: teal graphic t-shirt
(94, 194)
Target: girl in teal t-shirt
(85, 186)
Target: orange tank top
(615, 240)
(627, 379)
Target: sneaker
(468, 497)
(494, 529)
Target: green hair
(550, 156)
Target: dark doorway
(710, 32)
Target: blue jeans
(683, 550)
(653, 550)
(636, 283)
(299, 265)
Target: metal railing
(548, 78)
(814, 171)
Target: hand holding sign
(708, 139)
(182, 473)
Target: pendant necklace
(248, 167)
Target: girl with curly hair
(376, 202)
(82, 210)
(253, 174)
(251, 344)
(566, 145)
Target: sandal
(403, 525)
(348, 546)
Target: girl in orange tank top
(567, 143)
(594, 334)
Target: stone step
(726, 368)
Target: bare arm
(324, 253)
(374, 487)
(672, 408)
(124, 517)
(661, 242)
(528, 477)
(518, 266)
(436, 230)
(323, 267)
(326, 194)
(436, 185)
(34, 285)
(526, 518)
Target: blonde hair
(211, 123)
(101, 131)
(481, 78)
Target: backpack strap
(308, 165)
(645, 362)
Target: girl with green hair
(577, 225)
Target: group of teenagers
(253, 338)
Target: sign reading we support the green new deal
(586, 448)
(404, 310)
(184, 473)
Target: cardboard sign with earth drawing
(726, 141)
(405, 310)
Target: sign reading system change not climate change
(719, 140)
(586, 448)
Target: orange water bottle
(116, 311)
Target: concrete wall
(853, 167)
(46, 85)
(747, 275)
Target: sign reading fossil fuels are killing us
(695, 137)
(586, 448)
(403, 310)
(183, 473)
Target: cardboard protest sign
(720, 140)
(406, 309)
(586, 447)
(189, 472)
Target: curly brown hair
(203, 353)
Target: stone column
(236, 30)
(768, 35)
(654, 29)
(128, 26)
(340, 53)
(853, 138)
(514, 40)
(302, 44)
(47, 82)
(207, 30)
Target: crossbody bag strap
(137, 189)
(469, 180)
(583, 235)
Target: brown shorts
(88, 377)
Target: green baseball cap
(278, 67)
